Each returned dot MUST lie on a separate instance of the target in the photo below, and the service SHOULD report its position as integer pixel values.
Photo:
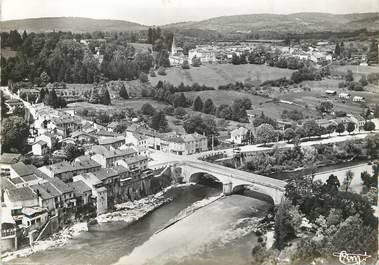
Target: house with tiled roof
(40, 148)
(107, 158)
(18, 198)
(65, 170)
(6, 160)
(112, 142)
(239, 135)
(184, 144)
(134, 163)
(82, 192)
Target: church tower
(173, 47)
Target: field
(258, 103)
(220, 74)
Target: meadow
(221, 74)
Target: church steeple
(173, 46)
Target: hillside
(73, 24)
(293, 23)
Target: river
(219, 233)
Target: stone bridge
(233, 180)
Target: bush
(185, 65)
(152, 73)
(147, 109)
(161, 71)
(355, 86)
(143, 77)
(180, 112)
(342, 84)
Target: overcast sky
(157, 12)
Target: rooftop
(101, 150)
(6, 184)
(46, 190)
(60, 167)
(40, 142)
(9, 158)
(21, 194)
(21, 169)
(111, 140)
(135, 159)
(79, 187)
(60, 185)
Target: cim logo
(351, 259)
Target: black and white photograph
(189, 132)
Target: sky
(159, 12)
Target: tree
(148, 109)
(180, 100)
(337, 50)
(143, 77)
(300, 132)
(105, 97)
(331, 128)
(340, 128)
(44, 77)
(285, 224)
(144, 60)
(159, 122)
(265, 133)
(19, 111)
(326, 106)
(41, 96)
(52, 99)
(123, 92)
(289, 134)
(209, 107)
(14, 133)
(196, 62)
(347, 181)
(372, 145)
(350, 127)
(332, 184)
(363, 81)
(311, 128)
(349, 76)
(73, 151)
(4, 107)
(161, 71)
(180, 112)
(185, 64)
(372, 55)
(197, 104)
(369, 126)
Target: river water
(219, 233)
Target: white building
(206, 54)
(40, 148)
(239, 136)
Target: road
(162, 157)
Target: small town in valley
(221, 141)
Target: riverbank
(58, 239)
(128, 212)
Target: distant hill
(73, 24)
(293, 23)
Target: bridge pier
(227, 188)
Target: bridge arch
(206, 179)
(253, 191)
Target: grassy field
(221, 74)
